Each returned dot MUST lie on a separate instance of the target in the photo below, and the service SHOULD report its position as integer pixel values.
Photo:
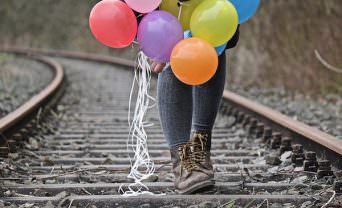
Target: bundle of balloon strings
(137, 140)
(142, 166)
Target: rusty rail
(314, 134)
(325, 145)
(36, 101)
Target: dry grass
(276, 48)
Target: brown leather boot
(189, 177)
(201, 145)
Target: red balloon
(113, 23)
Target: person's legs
(175, 108)
(191, 164)
(207, 98)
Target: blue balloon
(219, 49)
(245, 8)
(187, 34)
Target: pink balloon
(143, 6)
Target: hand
(157, 67)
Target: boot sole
(196, 187)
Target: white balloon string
(180, 10)
(142, 166)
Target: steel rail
(314, 134)
(311, 134)
(36, 101)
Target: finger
(153, 65)
(159, 68)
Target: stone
(276, 205)
(306, 204)
(7, 193)
(300, 179)
(151, 178)
(272, 160)
(26, 205)
(207, 204)
(34, 145)
(286, 155)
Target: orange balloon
(194, 61)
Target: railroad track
(261, 158)
(45, 98)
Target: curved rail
(312, 134)
(36, 101)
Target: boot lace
(186, 157)
(198, 144)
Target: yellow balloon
(187, 8)
(215, 21)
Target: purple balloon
(158, 33)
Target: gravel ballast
(322, 113)
(20, 79)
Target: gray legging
(184, 108)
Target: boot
(188, 176)
(201, 145)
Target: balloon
(187, 9)
(158, 33)
(113, 23)
(219, 49)
(194, 61)
(143, 6)
(214, 21)
(246, 8)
